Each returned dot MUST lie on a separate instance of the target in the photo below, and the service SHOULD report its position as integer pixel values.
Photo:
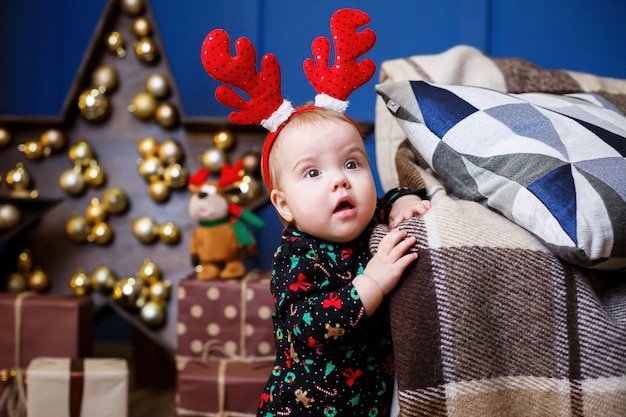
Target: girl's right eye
(312, 173)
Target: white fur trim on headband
(328, 102)
(277, 118)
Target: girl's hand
(406, 207)
(388, 264)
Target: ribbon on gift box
(208, 354)
(14, 396)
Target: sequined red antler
(345, 75)
(266, 105)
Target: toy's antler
(346, 74)
(266, 103)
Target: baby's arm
(384, 270)
(406, 207)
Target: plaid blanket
(488, 322)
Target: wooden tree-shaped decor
(122, 128)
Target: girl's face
(326, 188)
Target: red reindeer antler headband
(266, 106)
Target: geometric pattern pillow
(553, 164)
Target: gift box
(236, 314)
(91, 387)
(36, 325)
(220, 387)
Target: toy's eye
(209, 189)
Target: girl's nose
(340, 181)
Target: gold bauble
(249, 190)
(169, 233)
(80, 284)
(115, 44)
(213, 159)
(175, 176)
(143, 105)
(252, 163)
(101, 234)
(9, 216)
(18, 178)
(170, 151)
(16, 282)
(146, 50)
(151, 168)
(132, 7)
(81, 153)
(72, 181)
(93, 105)
(94, 174)
(148, 147)
(224, 139)
(145, 229)
(157, 85)
(24, 262)
(33, 149)
(38, 280)
(5, 137)
(53, 139)
(115, 200)
(77, 228)
(141, 27)
(149, 271)
(159, 191)
(104, 78)
(103, 279)
(159, 291)
(166, 115)
(129, 293)
(95, 212)
(153, 314)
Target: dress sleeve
(316, 303)
(390, 197)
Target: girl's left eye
(352, 165)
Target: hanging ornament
(5, 137)
(81, 153)
(16, 282)
(115, 44)
(38, 280)
(115, 200)
(153, 314)
(251, 161)
(72, 181)
(80, 284)
(95, 212)
(9, 216)
(24, 262)
(151, 169)
(248, 190)
(18, 179)
(166, 115)
(132, 7)
(32, 149)
(148, 147)
(143, 105)
(169, 233)
(77, 228)
(170, 151)
(149, 271)
(53, 139)
(145, 229)
(224, 139)
(101, 234)
(103, 279)
(94, 174)
(129, 292)
(146, 50)
(213, 159)
(93, 105)
(159, 191)
(104, 78)
(175, 176)
(158, 86)
(141, 27)
(159, 291)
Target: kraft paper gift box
(220, 387)
(91, 387)
(235, 313)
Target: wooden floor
(143, 400)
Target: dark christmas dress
(332, 359)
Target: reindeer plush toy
(221, 241)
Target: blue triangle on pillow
(557, 191)
(440, 108)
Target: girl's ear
(280, 203)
